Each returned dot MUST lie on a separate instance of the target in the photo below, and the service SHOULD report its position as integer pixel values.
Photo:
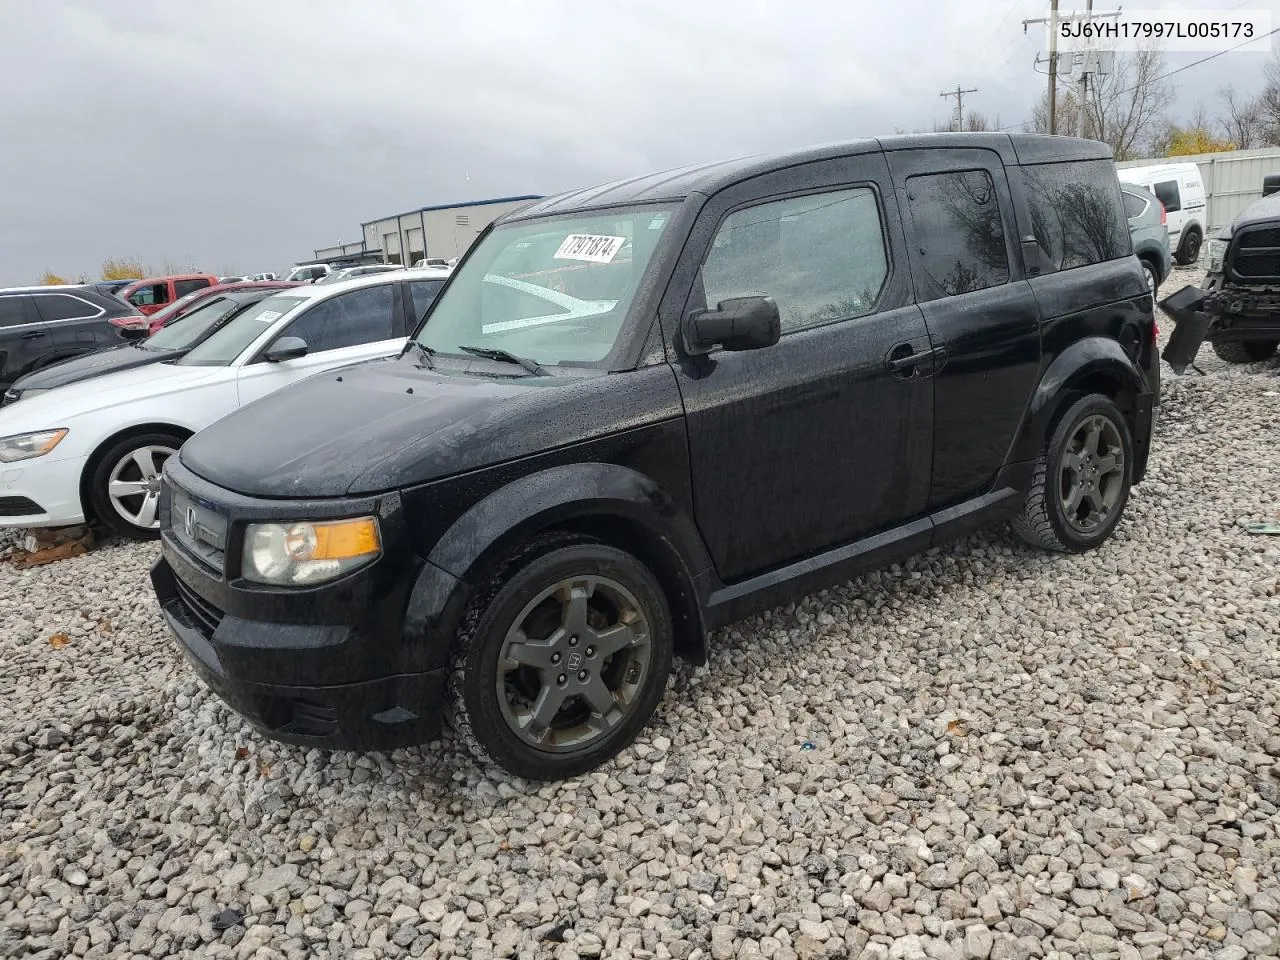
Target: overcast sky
(239, 135)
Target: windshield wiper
(496, 353)
(425, 352)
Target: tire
(118, 464)
(1189, 247)
(1153, 277)
(1047, 519)
(495, 691)
(1244, 351)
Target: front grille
(19, 507)
(1257, 255)
(198, 612)
(200, 528)
(1266, 237)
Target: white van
(1180, 189)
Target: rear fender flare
(1091, 358)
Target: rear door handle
(33, 335)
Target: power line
(983, 48)
(959, 95)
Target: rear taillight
(133, 322)
(1164, 216)
(1155, 331)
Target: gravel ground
(986, 751)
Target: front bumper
(41, 493)
(1217, 314)
(348, 665)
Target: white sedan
(95, 449)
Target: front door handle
(906, 360)
(33, 335)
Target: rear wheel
(124, 486)
(1153, 278)
(1244, 351)
(1082, 478)
(1189, 248)
(562, 659)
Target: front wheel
(124, 485)
(1245, 351)
(1081, 481)
(1153, 278)
(561, 659)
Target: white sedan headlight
(24, 446)
(304, 553)
(1216, 251)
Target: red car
(184, 305)
(149, 295)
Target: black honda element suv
(640, 411)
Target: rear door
(1169, 192)
(358, 325)
(21, 336)
(981, 314)
(825, 437)
(190, 285)
(75, 324)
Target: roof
(38, 287)
(453, 206)
(172, 276)
(317, 291)
(708, 178)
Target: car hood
(124, 357)
(57, 407)
(391, 424)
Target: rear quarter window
(1077, 212)
(1133, 205)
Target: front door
(982, 315)
(826, 436)
(360, 325)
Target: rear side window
(1077, 213)
(150, 295)
(424, 293)
(182, 287)
(361, 316)
(1133, 205)
(820, 257)
(1167, 191)
(12, 311)
(958, 233)
(62, 306)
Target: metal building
(444, 231)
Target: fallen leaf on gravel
(241, 752)
(264, 768)
(957, 728)
(59, 640)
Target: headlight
(1217, 250)
(27, 445)
(299, 554)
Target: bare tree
(1125, 108)
(1267, 105)
(974, 120)
(1239, 122)
(1068, 119)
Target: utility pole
(959, 95)
(1053, 20)
(1083, 96)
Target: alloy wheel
(134, 485)
(573, 663)
(1091, 479)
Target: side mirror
(286, 348)
(743, 323)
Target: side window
(151, 295)
(821, 257)
(361, 316)
(1076, 212)
(424, 293)
(183, 287)
(60, 306)
(958, 232)
(1133, 206)
(1167, 191)
(13, 311)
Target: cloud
(242, 135)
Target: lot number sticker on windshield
(269, 315)
(590, 247)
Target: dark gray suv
(42, 325)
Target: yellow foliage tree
(1193, 140)
(51, 279)
(122, 268)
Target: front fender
(574, 495)
(1087, 359)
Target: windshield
(190, 328)
(174, 309)
(231, 340)
(554, 290)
